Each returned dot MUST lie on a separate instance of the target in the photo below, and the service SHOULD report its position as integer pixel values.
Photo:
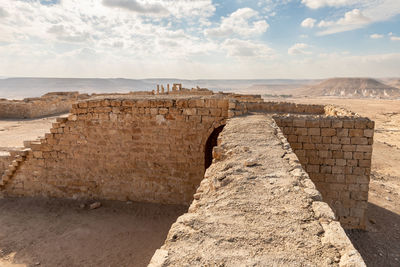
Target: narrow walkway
(256, 207)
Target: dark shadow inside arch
(211, 142)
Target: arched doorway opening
(211, 142)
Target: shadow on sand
(380, 244)
(58, 232)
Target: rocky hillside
(395, 83)
(351, 87)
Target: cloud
(243, 22)
(299, 49)
(246, 49)
(70, 35)
(376, 36)
(374, 10)
(352, 20)
(308, 23)
(3, 13)
(395, 38)
(136, 6)
(315, 4)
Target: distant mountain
(351, 87)
(18, 88)
(395, 83)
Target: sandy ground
(380, 244)
(13, 132)
(54, 232)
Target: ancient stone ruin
(234, 158)
(48, 104)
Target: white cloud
(299, 49)
(246, 49)
(395, 38)
(178, 8)
(243, 22)
(374, 10)
(308, 23)
(56, 34)
(376, 36)
(136, 6)
(3, 12)
(315, 4)
(352, 20)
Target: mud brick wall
(336, 153)
(138, 149)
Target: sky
(200, 39)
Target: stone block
(304, 139)
(341, 162)
(313, 168)
(349, 124)
(328, 132)
(326, 140)
(342, 132)
(337, 123)
(312, 123)
(326, 123)
(364, 148)
(301, 131)
(360, 124)
(356, 133)
(299, 123)
(359, 141)
(307, 146)
(364, 163)
(316, 139)
(368, 133)
(349, 148)
(314, 131)
(338, 170)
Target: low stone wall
(281, 107)
(153, 148)
(336, 152)
(256, 207)
(142, 149)
(49, 104)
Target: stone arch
(211, 141)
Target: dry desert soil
(48, 232)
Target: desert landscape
(70, 220)
(199, 133)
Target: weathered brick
(356, 132)
(314, 131)
(328, 132)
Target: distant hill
(395, 83)
(18, 88)
(351, 87)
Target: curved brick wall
(147, 149)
